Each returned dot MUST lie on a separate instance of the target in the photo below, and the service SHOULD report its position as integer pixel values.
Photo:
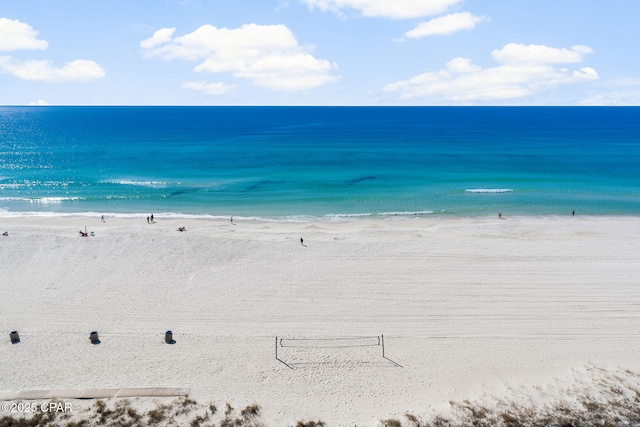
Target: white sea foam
(53, 200)
(127, 197)
(408, 213)
(488, 190)
(48, 214)
(11, 186)
(28, 183)
(40, 200)
(9, 214)
(332, 217)
(137, 183)
(178, 215)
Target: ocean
(326, 163)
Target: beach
(467, 307)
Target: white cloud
(613, 99)
(619, 92)
(515, 53)
(209, 88)
(269, 56)
(463, 82)
(161, 36)
(78, 70)
(16, 35)
(624, 82)
(445, 25)
(39, 102)
(395, 9)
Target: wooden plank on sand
(93, 393)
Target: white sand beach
(467, 306)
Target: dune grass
(121, 413)
(607, 398)
(602, 398)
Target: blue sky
(319, 52)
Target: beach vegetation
(250, 411)
(601, 399)
(133, 414)
(248, 417)
(310, 424)
(415, 421)
(185, 405)
(100, 406)
(186, 401)
(199, 420)
(228, 410)
(157, 415)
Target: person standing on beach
(148, 222)
(301, 241)
(102, 218)
(151, 218)
(231, 219)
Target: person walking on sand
(151, 218)
(302, 241)
(148, 222)
(231, 219)
(102, 218)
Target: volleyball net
(332, 342)
(329, 345)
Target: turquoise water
(327, 162)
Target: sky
(319, 52)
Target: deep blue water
(320, 161)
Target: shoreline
(286, 219)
